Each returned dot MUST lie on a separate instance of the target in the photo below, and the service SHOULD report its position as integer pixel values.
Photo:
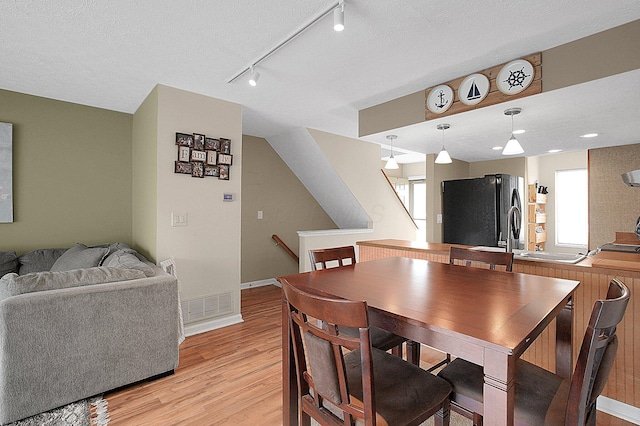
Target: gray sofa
(79, 322)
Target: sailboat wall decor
(473, 89)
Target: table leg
(499, 389)
(564, 335)
(289, 384)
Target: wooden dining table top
(501, 311)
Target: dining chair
(481, 258)
(343, 256)
(332, 257)
(343, 380)
(494, 260)
(542, 397)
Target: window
(572, 208)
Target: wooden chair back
(332, 257)
(481, 258)
(319, 356)
(597, 353)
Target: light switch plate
(178, 219)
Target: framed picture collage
(200, 156)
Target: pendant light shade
(443, 157)
(338, 17)
(391, 163)
(512, 147)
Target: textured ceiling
(111, 55)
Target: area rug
(89, 412)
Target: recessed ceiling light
(589, 135)
(519, 132)
(553, 151)
(496, 148)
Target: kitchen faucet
(510, 216)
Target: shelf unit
(537, 228)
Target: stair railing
(286, 248)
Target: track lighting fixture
(255, 75)
(512, 147)
(391, 163)
(338, 24)
(443, 157)
(338, 17)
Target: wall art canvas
(6, 173)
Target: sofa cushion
(13, 284)
(127, 259)
(8, 262)
(78, 257)
(39, 260)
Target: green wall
(269, 186)
(145, 176)
(72, 173)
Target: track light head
(253, 80)
(338, 17)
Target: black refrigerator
(474, 211)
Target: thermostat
(227, 197)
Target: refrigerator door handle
(517, 222)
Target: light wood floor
(230, 376)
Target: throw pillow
(127, 259)
(39, 260)
(78, 257)
(8, 262)
(13, 284)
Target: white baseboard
(202, 327)
(252, 284)
(618, 409)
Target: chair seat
(540, 396)
(398, 385)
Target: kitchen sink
(502, 249)
(540, 256)
(551, 257)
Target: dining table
(485, 316)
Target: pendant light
(443, 157)
(391, 163)
(512, 147)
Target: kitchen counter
(628, 262)
(594, 273)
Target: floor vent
(207, 307)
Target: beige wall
(543, 169)
(71, 174)
(268, 185)
(207, 250)
(562, 66)
(414, 169)
(358, 164)
(613, 206)
(616, 51)
(508, 166)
